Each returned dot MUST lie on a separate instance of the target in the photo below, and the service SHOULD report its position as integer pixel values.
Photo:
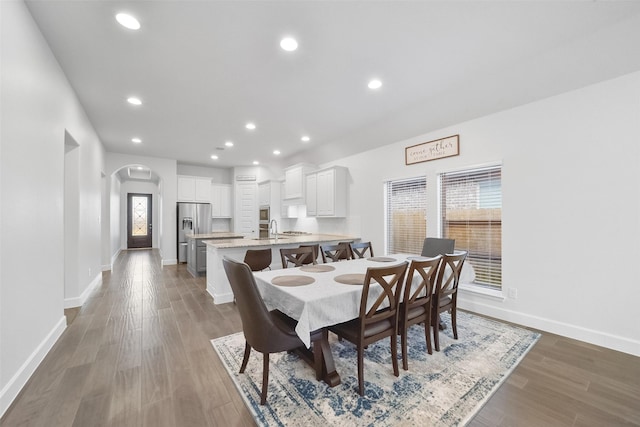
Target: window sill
(479, 290)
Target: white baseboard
(221, 298)
(106, 267)
(580, 333)
(18, 381)
(114, 257)
(79, 301)
(169, 261)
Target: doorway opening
(139, 224)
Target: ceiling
(203, 69)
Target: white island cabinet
(218, 284)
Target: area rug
(446, 388)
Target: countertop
(282, 240)
(215, 235)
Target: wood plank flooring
(138, 354)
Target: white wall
(217, 175)
(166, 170)
(570, 216)
(113, 220)
(38, 106)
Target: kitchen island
(197, 250)
(217, 282)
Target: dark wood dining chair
(297, 256)
(359, 250)
(415, 306)
(433, 246)
(316, 250)
(258, 259)
(378, 321)
(264, 331)
(445, 293)
(335, 253)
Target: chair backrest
(259, 329)
(449, 275)
(316, 250)
(433, 246)
(297, 256)
(258, 259)
(359, 250)
(428, 271)
(335, 253)
(391, 280)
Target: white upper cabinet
(194, 189)
(220, 201)
(294, 181)
(264, 193)
(327, 192)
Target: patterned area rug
(444, 389)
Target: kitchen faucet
(273, 225)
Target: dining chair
(335, 253)
(415, 306)
(378, 318)
(359, 250)
(349, 254)
(445, 294)
(316, 250)
(297, 256)
(258, 259)
(264, 331)
(433, 246)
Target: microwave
(264, 214)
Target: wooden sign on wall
(432, 150)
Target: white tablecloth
(324, 302)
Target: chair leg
(454, 324)
(394, 354)
(427, 333)
(403, 338)
(360, 370)
(436, 330)
(247, 352)
(265, 379)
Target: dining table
(319, 296)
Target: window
(406, 225)
(471, 209)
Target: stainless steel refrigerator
(192, 218)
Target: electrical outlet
(512, 293)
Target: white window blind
(471, 208)
(406, 207)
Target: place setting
(292, 280)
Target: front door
(139, 220)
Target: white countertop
(215, 235)
(281, 240)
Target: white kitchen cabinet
(330, 198)
(312, 194)
(194, 189)
(294, 181)
(220, 201)
(264, 193)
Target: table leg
(321, 358)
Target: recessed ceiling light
(375, 84)
(229, 144)
(128, 21)
(305, 139)
(214, 157)
(289, 44)
(139, 168)
(134, 100)
(276, 152)
(255, 162)
(136, 140)
(250, 126)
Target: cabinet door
(293, 183)
(312, 187)
(326, 193)
(186, 189)
(202, 190)
(264, 194)
(225, 201)
(216, 205)
(201, 258)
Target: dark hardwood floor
(138, 354)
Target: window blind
(471, 209)
(406, 205)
